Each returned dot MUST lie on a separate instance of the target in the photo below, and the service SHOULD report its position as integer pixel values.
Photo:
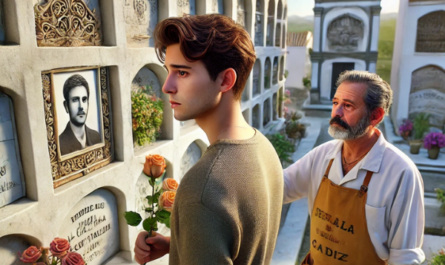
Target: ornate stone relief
(67, 23)
(241, 13)
(345, 33)
(428, 94)
(141, 18)
(431, 32)
(185, 7)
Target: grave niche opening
(10, 245)
(266, 112)
(275, 71)
(259, 18)
(256, 116)
(345, 33)
(11, 175)
(141, 17)
(275, 107)
(92, 227)
(267, 70)
(2, 24)
(427, 94)
(191, 156)
(431, 32)
(270, 21)
(256, 78)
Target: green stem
(152, 203)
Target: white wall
(299, 66)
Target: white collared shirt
(395, 203)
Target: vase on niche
(433, 153)
(414, 146)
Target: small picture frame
(78, 121)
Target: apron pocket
(378, 233)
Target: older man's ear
(377, 116)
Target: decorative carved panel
(345, 33)
(185, 7)
(66, 167)
(428, 94)
(241, 13)
(67, 23)
(141, 18)
(431, 32)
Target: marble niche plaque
(431, 32)
(11, 176)
(428, 94)
(345, 33)
(141, 17)
(92, 227)
(190, 157)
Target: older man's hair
(72, 82)
(378, 94)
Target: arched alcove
(278, 35)
(141, 17)
(270, 23)
(11, 245)
(427, 94)
(246, 94)
(256, 84)
(246, 113)
(345, 33)
(185, 7)
(274, 106)
(275, 71)
(259, 23)
(431, 32)
(280, 10)
(11, 173)
(192, 154)
(148, 82)
(266, 112)
(256, 116)
(284, 37)
(92, 226)
(285, 13)
(267, 73)
(281, 68)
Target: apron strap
(364, 187)
(328, 168)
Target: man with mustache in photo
(228, 206)
(365, 196)
(77, 135)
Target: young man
(365, 196)
(77, 135)
(228, 206)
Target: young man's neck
(79, 132)
(225, 122)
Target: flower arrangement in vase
(60, 254)
(433, 142)
(421, 125)
(405, 129)
(161, 199)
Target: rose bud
(154, 166)
(166, 200)
(73, 258)
(170, 185)
(59, 247)
(31, 254)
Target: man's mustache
(81, 113)
(340, 122)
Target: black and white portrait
(78, 110)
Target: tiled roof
(299, 39)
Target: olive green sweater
(228, 205)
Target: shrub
(283, 147)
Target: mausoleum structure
(298, 62)
(345, 38)
(418, 68)
(103, 50)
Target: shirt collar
(373, 159)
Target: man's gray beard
(352, 133)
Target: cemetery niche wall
(11, 175)
(78, 119)
(141, 17)
(431, 32)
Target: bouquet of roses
(161, 199)
(60, 254)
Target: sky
(304, 8)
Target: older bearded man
(365, 196)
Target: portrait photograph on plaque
(77, 115)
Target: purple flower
(434, 139)
(406, 127)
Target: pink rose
(59, 247)
(31, 254)
(166, 200)
(73, 258)
(170, 185)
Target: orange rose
(166, 200)
(59, 247)
(154, 166)
(170, 185)
(73, 258)
(31, 254)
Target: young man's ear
(377, 115)
(228, 79)
(65, 104)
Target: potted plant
(405, 129)
(421, 125)
(433, 142)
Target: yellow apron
(339, 233)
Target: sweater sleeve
(407, 221)
(204, 238)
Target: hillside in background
(299, 24)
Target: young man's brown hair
(214, 39)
